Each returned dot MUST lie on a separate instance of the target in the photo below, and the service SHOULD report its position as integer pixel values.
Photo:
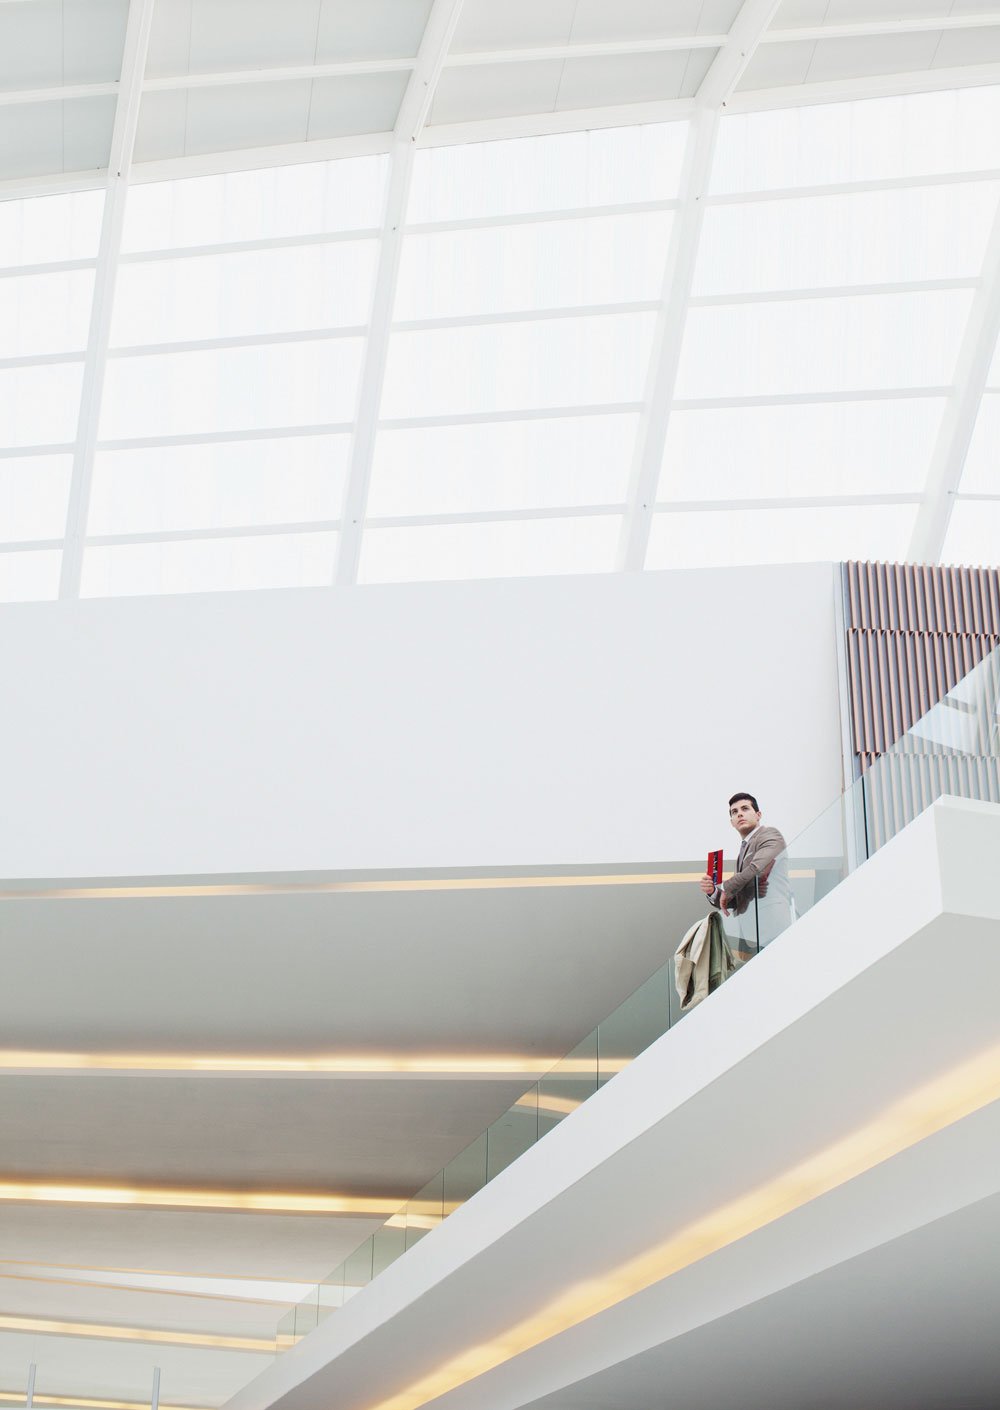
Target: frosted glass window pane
(563, 362)
(259, 291)
(973, 537)
(42, 313)
(39, 405)
(875, 447)
(720, 538)
(208, 565)
(290, 480)
(601, 168)
(231, 389)
(933, 232)
(982, 463)
(44, 229)
(813, 345)
(34, 493)
(30, 576)
(919, 134)
(526, 548)
(610, 259)
(505, 465)
(311, 199)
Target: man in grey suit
(758, 891)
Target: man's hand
(722, 903)
(707, 884)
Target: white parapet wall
(839, 1097)
(528, 721)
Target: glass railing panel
(285, 1335)
(466, 1174)
(512, 1134)
(635, 1024)
(358, 1268)
(307, 1315)
(568, 1085)
(388, 1243)
(331, 1293)
(425, 1210)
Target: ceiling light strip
(85, 1402)
(919, 1114)
(396, 884)
(152, 1197)
(16, 1398)
(504, 1065)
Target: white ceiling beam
(612, 48)
(959, 420)
(412, 116)
(24, 188)
(870, 29)
(140, 19)
(729, 65)
(17, 97)
(236, 78)
(551, 124)
(716, 87)
(221, 163)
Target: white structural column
(961, 410)
(727, 67)
(413, 113)
(140, 19)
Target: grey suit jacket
(767, 846)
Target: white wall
(522, 721)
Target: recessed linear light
(84, 1402)
(515, 1066)
(385, 884)
(922, 1113)
(153, 1197)
(98, 1331)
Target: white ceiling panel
(596, 20)
(206, 36)
(515, 24)
(560, 85)
(222, 119)
(38, 138)
(778, 65)
(190, 1243)
(231, 117)
(44, 43)
(813, 61)
(525, 23)
(793, 13)
(496, 90)
(345, 107)
(633, 78)
(967, 46)
(370, 29)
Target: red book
(714, 867)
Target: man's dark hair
(749, 797)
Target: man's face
(743, 816)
